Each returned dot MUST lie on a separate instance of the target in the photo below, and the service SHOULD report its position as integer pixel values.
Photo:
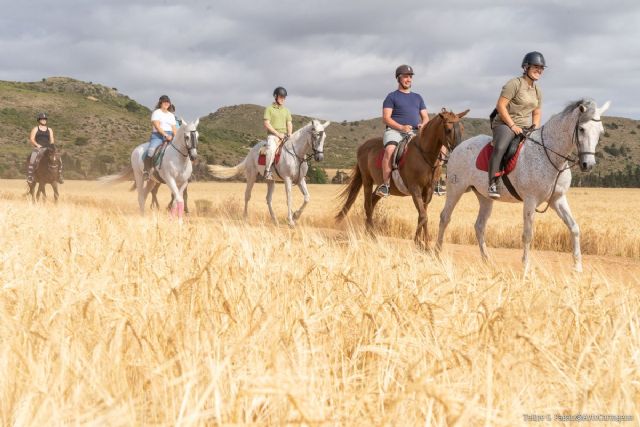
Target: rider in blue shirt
(403, 112)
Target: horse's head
(52, 156)
(452, 127)
(317, 138)
(190, 135)
(588, 131)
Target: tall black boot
(147, 167)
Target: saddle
(508, 162)
(262, 157)
(399, 154)
(156, 162)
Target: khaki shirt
(522, 101)
(278, 116)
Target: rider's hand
(280, 135)
(516, 129)
(169, 137)
(407, 128)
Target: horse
(175, 168)
(420, 170)
(291, 166)
(542, 173)
(47, 172)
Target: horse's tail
(125, 175)
(350, 193)
(224, 172)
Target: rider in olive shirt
(278, 122)
(519, 106)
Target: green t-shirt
(522, 101)
(278, 116)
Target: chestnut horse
(420, 170)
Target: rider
(277, 121)
(41, 138)
(172, 110)
(164, 127)
(403, 112)
(519, 106)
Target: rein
(192, 133)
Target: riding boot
(147, 167)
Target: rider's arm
(32, 137)
(174, 129)
(51, 139)
(158, 128)
(289, 128)
(387, 120)
(424, 116)
(537, 113)
(501, 107)
(271, 130)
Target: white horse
(542, 173)
(292, 167)
(175, 169)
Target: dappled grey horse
(305, 143)
(542, 173)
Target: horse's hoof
(296, 216)
(577, 268)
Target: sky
(335, 58)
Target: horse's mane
(590, 112)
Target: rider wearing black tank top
(41, 137)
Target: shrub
(81, 140)
(316, 175)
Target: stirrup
(145, 175)
(382, 190)
(268, 175)
(493, 191)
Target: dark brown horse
(420, 170)
(47, 172)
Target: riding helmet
(533, 58)
(404, 69)
(41, 116)
(280, 91)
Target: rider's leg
(32, 164)
(390, 141)
(502, 136)
(156, 139)
(270, 155)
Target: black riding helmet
(533, 58)
(404, 69)
(41, 116)
(280, 91)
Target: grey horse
(292, 167)
(542, 173)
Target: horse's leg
(287, 188)
(420, 237)
(305, 193)
(32, 191)
(251, 179)
(54, 185)
(370, 200)
(178, 203)
(454, 194)
(528, 211)
(561, 206)
(154, 197)
(41, 191)
(185, 196)
(271, 185)
(486, 206)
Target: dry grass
(107, 318)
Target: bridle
(190, 142)
(457, 135)
(316, 138)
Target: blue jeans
(156, 140)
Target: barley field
(110, 318)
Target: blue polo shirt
(406, 107)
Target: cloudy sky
(335, 57)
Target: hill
(98, 127)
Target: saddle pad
(400, 163)
(262, 158)
(482, 161)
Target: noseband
(190, 142)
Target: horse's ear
(604, 108)
(464, 113)
(195, 124)
(327, 123)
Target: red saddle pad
(381, 155)
(482, 161)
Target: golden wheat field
(110, 318)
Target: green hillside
(98, 127)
